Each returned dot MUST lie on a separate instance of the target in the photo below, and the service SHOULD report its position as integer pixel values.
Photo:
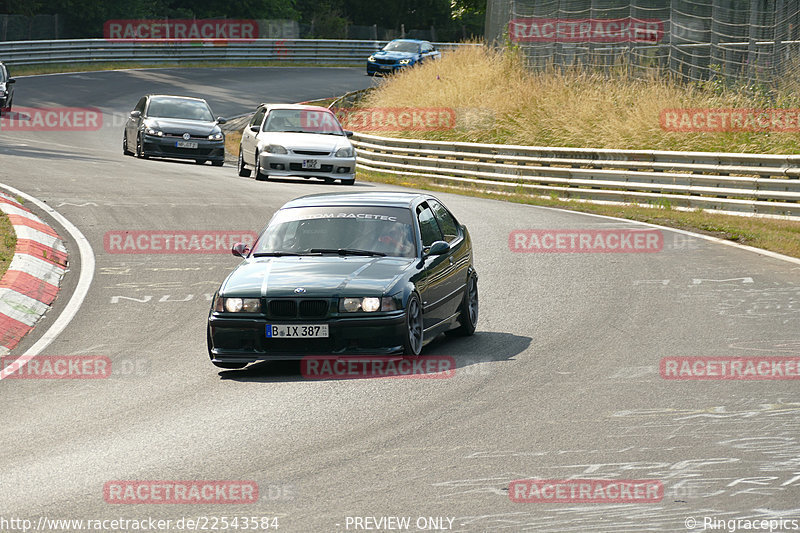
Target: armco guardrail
(158, 51)
(739, 183)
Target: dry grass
(8, 243)
(513, 105)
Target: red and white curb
(32, 280)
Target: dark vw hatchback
(175, 127)
(349, 273)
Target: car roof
(294, 106)
(377, 198)
(408, 41)
(175, 96)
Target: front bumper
(339, 168)
(380, 68)
(206, 150)
(244, 340)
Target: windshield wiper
(346, 251)
(273, 254)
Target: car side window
(2, 73)
(428, 228)
(140, 104)
(258, 117)
(447, 223)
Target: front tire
(257, 170)
(140, 148)
(468, 311)
(412, 343)
(217, 163)
(348, 182)
(244, 172)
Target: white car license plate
(298, 331)
(186, 144)
(310, 163)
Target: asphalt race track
(560, 381)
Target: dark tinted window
(446, 221)
(402, 46)
(428, 227)
(179, 108)
(3, 74)
(258, 117)
(387, 230)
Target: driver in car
(395, 240)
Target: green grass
(8, 243)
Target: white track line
(84, 282)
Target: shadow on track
(469, 354)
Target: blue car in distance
(400, 53)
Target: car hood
(383, 54)
(321, 276)
(303, 141)
(180, 126)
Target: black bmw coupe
(349, 273)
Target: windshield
(302, 121)
(379, 230)
(402, 46)
(177, 108)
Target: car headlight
(237, 305)
(215, 136)
(152, 131)
(346, 151)
(367, 305)
(276, 149)
(405, 61)
(371, 59)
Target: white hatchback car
(296, 140)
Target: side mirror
(255, 129)
(136, 114)
(221, 120)
(348, 133)
(11, 80)
(438, 248)
(240, 249)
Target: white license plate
(297, 331)
(310, 163)
(186, 144)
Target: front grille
(299, 167)
(283, 308)
(313, 308)
(298, 308)
(167, 149)
(180, 136)
(310, 152)
(385, 61)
